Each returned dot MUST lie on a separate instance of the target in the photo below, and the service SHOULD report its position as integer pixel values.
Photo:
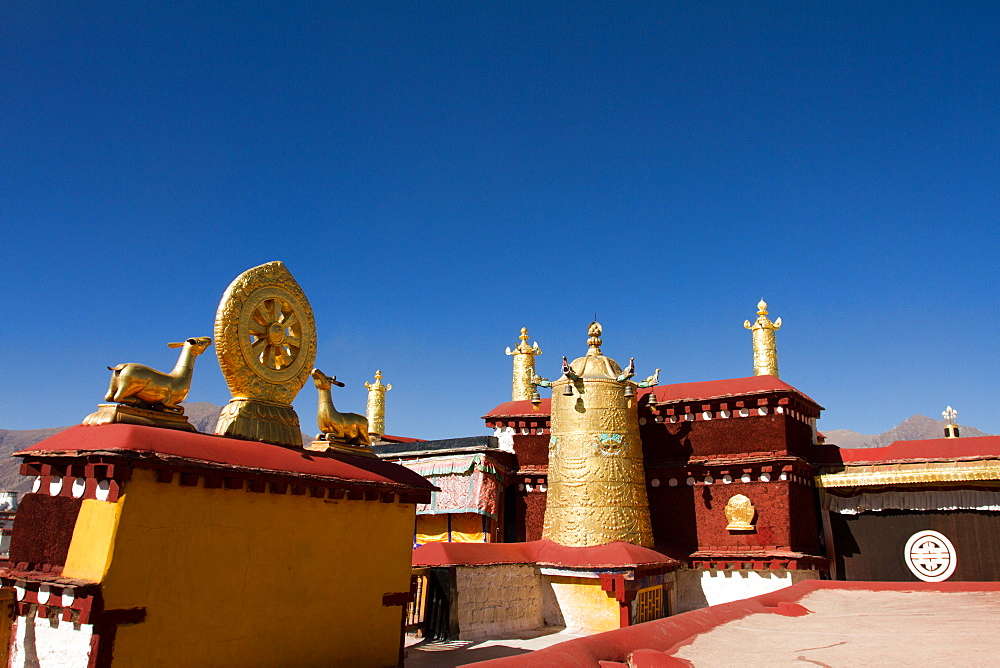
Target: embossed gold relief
(149, 397)
(524, 368)
(765, 347)
(905, 474)
(266, 344)
(375, 410)
(596, 485)
(740, 513)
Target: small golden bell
(568, 390)
(629, 391)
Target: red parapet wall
(656, 642)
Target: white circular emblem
(930, 556)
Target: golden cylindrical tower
(524, 367)
(765, 347)
(596, 485)
(375, 411)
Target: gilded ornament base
(343, 448)
(123, 414)
(255, 420)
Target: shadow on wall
(446, 654)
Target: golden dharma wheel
(265, 335)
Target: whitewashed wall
(38, 644)
(697, 588)
(498, 599)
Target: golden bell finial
(594, 332)
(950, 429)
(596, 492)
(765, 349)
(524, 367)
(375, 410)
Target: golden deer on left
(141, 386)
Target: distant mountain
(846, 438)
(201, 414)
(916, 428)
(12, 440)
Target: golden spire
(765, 349)
(524, 367)
(950, 429)
(376, 405)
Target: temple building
(143, 542)
(710, 451)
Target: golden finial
(950, 429)
(765, 349)
(376, 405)
(594, 332)
(524, 367)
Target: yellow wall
(93, 541)
(230, 577)
(584, 605)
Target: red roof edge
(541, 552)
(931, 449)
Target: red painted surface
(401, 439)
(193, 448)
(654, 643)
(521, 409)
(773, 433)
(541, 552)
(42, 533)
(676, 392)
(973, 447)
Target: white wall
(697, 588)
(37, 644)
(499, 599)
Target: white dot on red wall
(673, 419)
(783, 476)
(708, 480)
(55, 486)
(725, 414)
(762, 410)
(765, 477)
(43, 594)
(67, 596)
(690, 482)
(744, 412)
(706, 415)
(37, 484)
(655, 482)
(727, 479)
(79, 486)
(672, 482)
(103, 490)
(745, 478)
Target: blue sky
(437, 175)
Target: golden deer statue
(143, 387)
(334, 425)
